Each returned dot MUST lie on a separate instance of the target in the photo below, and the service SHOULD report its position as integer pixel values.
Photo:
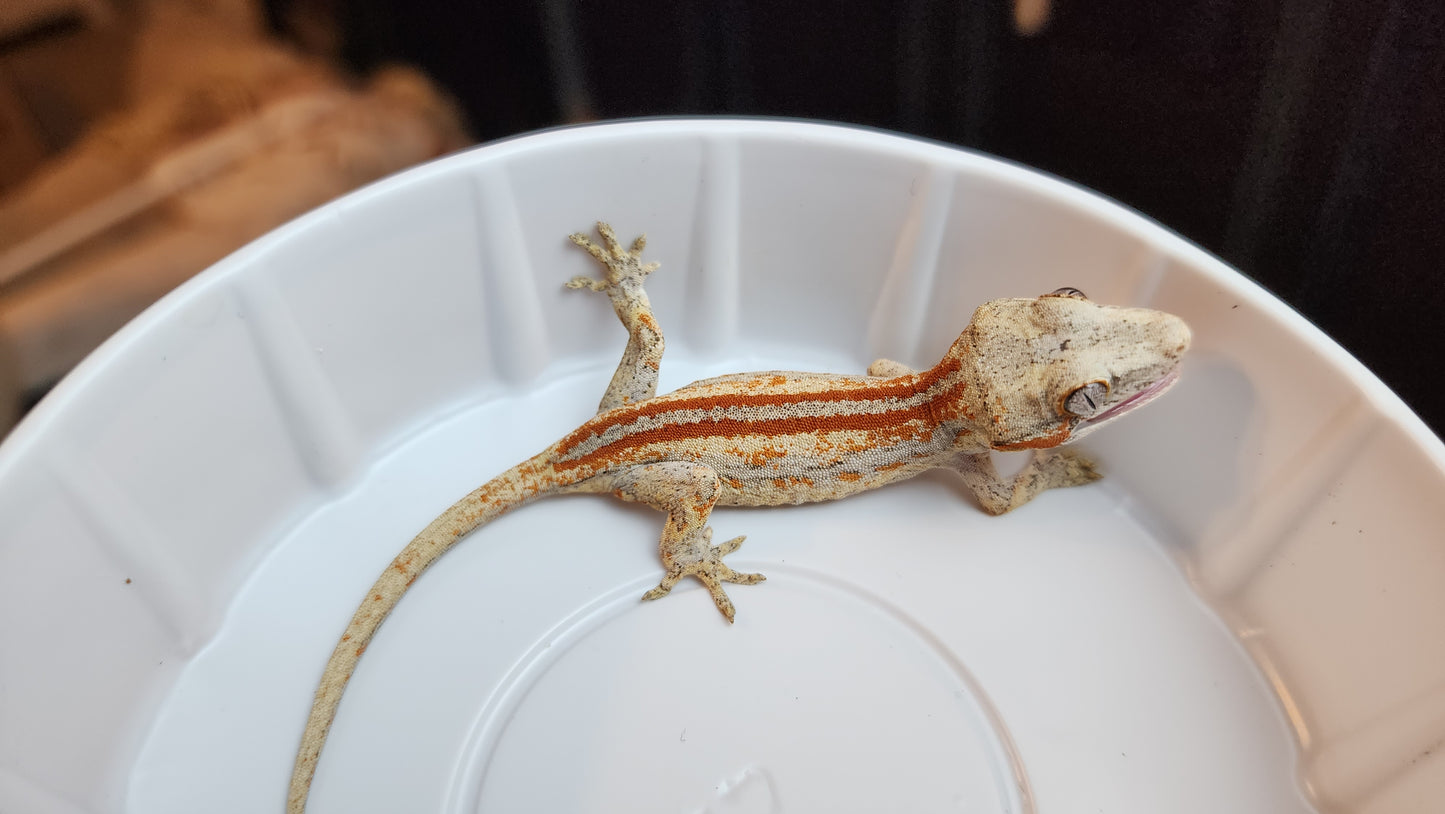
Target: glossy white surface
(252, 451)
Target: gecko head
(1051, 369)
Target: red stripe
(733, 428)
(892, 388)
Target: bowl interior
(187, 522)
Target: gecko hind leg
(687, 492)
(636, 375)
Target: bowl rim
(72, 387)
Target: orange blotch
(761, 456)
(1053, 439)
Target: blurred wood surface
(219, 135)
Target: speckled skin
(780, 438)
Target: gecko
(1026, 374)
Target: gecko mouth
(1139, 399)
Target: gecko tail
(523, 483)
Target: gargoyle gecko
(1026, 374)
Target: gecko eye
(1067, 291)
(1086, 401)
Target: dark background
(1301, 140)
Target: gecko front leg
(687, 492)
(1046, 469)
(636, 375)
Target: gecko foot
(1066, 467)
(622, 265)
(1048, 469)
(710, 570)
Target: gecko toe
(665, 586)
(586, 282)
(724, 549)
(729, 575)
(710, 578)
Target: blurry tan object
(21, 145)
(18, 16)
(9, 389)
(225, 143)
(1030, 16)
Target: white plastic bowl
(189, 520)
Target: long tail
(517, 486)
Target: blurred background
(1301, 140)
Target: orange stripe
(654, 407)
(735, 428)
